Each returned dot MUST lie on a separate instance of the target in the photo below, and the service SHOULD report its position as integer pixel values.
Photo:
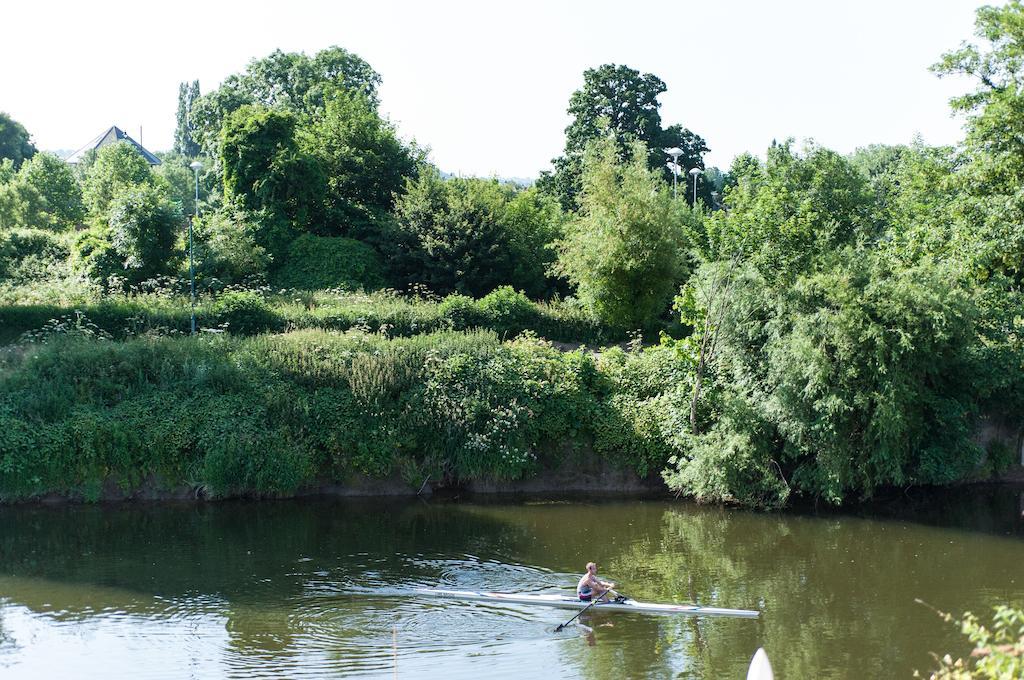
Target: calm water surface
(323, 588)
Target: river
(324, 587)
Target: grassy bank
(504, 311)
(266, 415)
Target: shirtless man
(590, 583)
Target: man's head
(592, 567)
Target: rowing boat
(567, 602)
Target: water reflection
(324, 588)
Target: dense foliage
(620, 101)
(15, 142)
(472, 235)
(838, 324)
(624, 253)
(162, 307)
(363, 160)
(292, 82)
(270, 414)
(321, 262)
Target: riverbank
(275, 415)
(355, 413)
(568, 481)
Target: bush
(244, 312)
(472, 235)
(117, 167)
(507, 311)
(321, 262)
(268, 414)
(31, 254)
(461, 311)
(144, 226)
(625, 252)
(57, 195)
(227, 250)
(998, 648)
(93, 254)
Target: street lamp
(196, 167)
(694, 173)
(675, 152)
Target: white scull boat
(567, 602)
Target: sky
(485, 85)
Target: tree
(364, 162)
(266, 171)
(57, 195)
(621, 101)
(290, 81)
(15, 142)
(179, 179)
(992, 205)
(143, 228)
(9, 198)
(624, 252)
(790, 214)
(117, 167)
(472, 235)
(226, 247)
(185, 142)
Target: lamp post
(694, 173)
(675, 152)
(196, 167)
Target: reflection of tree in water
(251, 563)
(295, 580)
(836, 594)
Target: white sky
(485, 85)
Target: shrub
(144, 225)
(507, 311)
(29, 254)
(625, 251)
(461, 312)
(472, 235)
(227, 248)
(58, 196)
(93, 254)
(998, 648)
(321, 262)
(268, 414)
(245, 312)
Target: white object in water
(567, 602)
(760, 668)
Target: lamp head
(196, 166)
(696, 171)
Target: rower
(590, 583)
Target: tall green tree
(53, 197)
(363, 160)
(117, 167)
(265, 170)
(993, 205)
(789, 214)
(285, 80)
(619, 100)
(15, 142)
(625, 251)
(144, 226)
(185, 142)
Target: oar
(596, 600)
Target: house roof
(112, 136)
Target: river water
(324, 588)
